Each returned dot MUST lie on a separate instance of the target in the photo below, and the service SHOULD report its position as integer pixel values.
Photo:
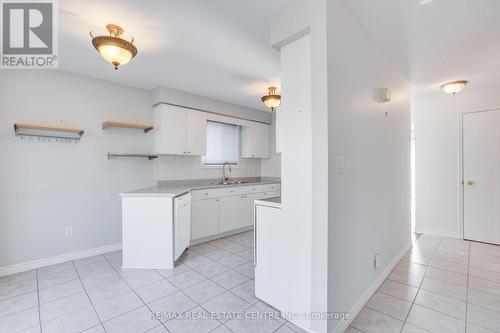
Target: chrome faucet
(224, 174)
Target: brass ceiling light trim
(272, 100)
(454, 87)
(114, 49)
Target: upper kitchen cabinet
(179, 131)
(255, 141)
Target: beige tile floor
(96, 295)
(442, 285)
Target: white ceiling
(214, 48)
(220, 48)
(438, 42)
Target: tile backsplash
(173, 167)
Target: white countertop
(178, 187)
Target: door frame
(461, 195)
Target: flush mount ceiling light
(114, 49)
(454, 87)
(272, 100)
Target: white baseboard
(356, 309)
(29, 265)
(221, 235)
(437, 232)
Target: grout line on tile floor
(38, 300)
(420, 285)
(86, 293)
(133, 290)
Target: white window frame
(238, 149)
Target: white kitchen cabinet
(248, 208)
(169, 133)
(196, 132)
(182, 224)
(230, 213)
(225, 209)
(204, 218)
(179, 131)
(255, 141)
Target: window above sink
(222, 144)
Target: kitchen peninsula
(160, 222)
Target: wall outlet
(377, 261)
(68, 232)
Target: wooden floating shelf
(121, 124)
(48, 131)
(148, 156)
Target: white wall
(271, 167)
(48, 186)
(369, 205)
(437, 120)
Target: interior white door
(481, 168)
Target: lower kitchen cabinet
(248, 208)
(213, 215)
(230, 213)
(204, 218)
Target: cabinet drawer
(254, 189)
(271, 187)
(233, 190)
(205, 194)
(270, 194)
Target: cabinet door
(196, 132)
(248, 208)
(260, 140)
(246, 146)
(182, 224)
(255, 141)
(231, 215)
(204, 218)
(169, 130)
